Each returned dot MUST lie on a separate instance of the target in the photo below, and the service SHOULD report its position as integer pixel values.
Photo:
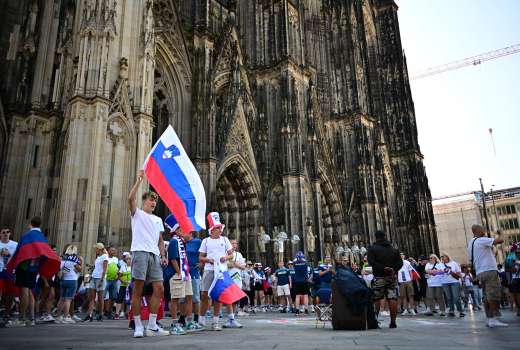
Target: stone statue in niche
(310, 240)
(260, 239)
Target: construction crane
(470, 61)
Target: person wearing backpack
(112, 277)
(480, 252)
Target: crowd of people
(174, 274)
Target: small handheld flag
(223, 289)
(171, 223)
(171, 172)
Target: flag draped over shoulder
(172, 174)
(224, 289)
(33, 245)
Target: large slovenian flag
(223, 289)
(33, 245)
(170, 171)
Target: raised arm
(132, 203)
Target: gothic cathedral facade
(297, 114)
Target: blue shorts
(68, 288)
(111, 289)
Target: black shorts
(268, 291)
(301, 288)
(121, 295)
(259, 286)
(25, 279)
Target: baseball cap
(99, 245)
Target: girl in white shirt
(434, 295)
(70, 268)
(451, 285)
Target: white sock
(137, 321)
(215, 319)
(202, 320)
(152, 321)
(231, 316)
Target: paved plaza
(276, 331)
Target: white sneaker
(404, 313)
(76, 318)
(385, 313)
(493, 322)
(412, 312)
(242, 313)
(156, 332)
(48, 318)
(139, 332)
(59, 319)
(68, 320)
(232, 324)
(122, 315)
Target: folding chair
(324, 307)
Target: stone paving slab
(276, 331)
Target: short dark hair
(36, 222)
(149, 194)
(380, 234)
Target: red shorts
(7, 287)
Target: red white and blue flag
(224, 289)
(34, 246)
(172, 174)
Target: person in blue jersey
(302, 272)
(283, 286)
(290, 267)
(326, 273)
(192, 250)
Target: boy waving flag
(170, 171)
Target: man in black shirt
(385, 261)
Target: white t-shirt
(483, 258)
(98, 266)
(405, 273)
(146, 229)
(454, 267)
(215, 249)
(435, 280)
(236, 273)
(11, 248)
(467, 280)
(69, 273)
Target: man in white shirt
(480, 252)
(406, 291)
(213, 250)
(148, 256)
(7, 288)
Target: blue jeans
(452, 293)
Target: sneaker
(493, 323)
(99, 318)
(442, 314)
(15, 323)
(116, 317)
(176, 329)
(428, 313)
(139, 332)
(306, 311)
(412, 312)
(30, 323)
(392, 325)
(87, 318)
(451, 314)
(216, 327)
(385, 313)
(404, 313)
(232, 324)
(59, 320)
(312, 308)
(68, 320)
(156, 332)
(76, 318)
(122, 314)
(462, 314)
(193, 327)
(241, 313)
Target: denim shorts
(111, 289)
(68, 288)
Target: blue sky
(455, 109)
